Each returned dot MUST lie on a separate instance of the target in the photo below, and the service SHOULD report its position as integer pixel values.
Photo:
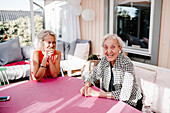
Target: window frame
(155, 21)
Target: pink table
(56, 95)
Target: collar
(106, 63)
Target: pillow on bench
(10, 51)
(60, 47)
(82, 51)
(146, 79)
(27, 51)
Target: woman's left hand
(93, 92)
(50, 52)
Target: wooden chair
(4, 76)
(90, 65)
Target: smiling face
(49, 43)
(111, 49)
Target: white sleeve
(126, 87)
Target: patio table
(60, 94)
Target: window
(133, 22)
(137, 22)
(133, 26)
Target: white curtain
(52, 16)
(70, 24)
(49, 17)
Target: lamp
(88, 15)
(76, 9)
(74, 2)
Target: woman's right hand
(84, 91)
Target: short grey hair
(41, 36)
(114, 36)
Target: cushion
(146, 77)
(60, 47)
(67, 48)
(161, 101)
(71, 50)
(27, 51)
(17, 72)
(73, 64)
(85, 41)
(24, 62)
(82, 51)
(10, 51)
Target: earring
(119, 52)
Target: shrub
(21, 28)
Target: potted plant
(94, 57)
(94, 60)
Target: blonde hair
(114, 36)
(41, 36)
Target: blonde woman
(45, 61)
(117, 73)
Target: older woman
(45, 61)
(117, 73)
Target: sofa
(154, 82)
(155, 85)
(17, 59)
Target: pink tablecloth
(56, 95)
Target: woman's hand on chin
(48, 53)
